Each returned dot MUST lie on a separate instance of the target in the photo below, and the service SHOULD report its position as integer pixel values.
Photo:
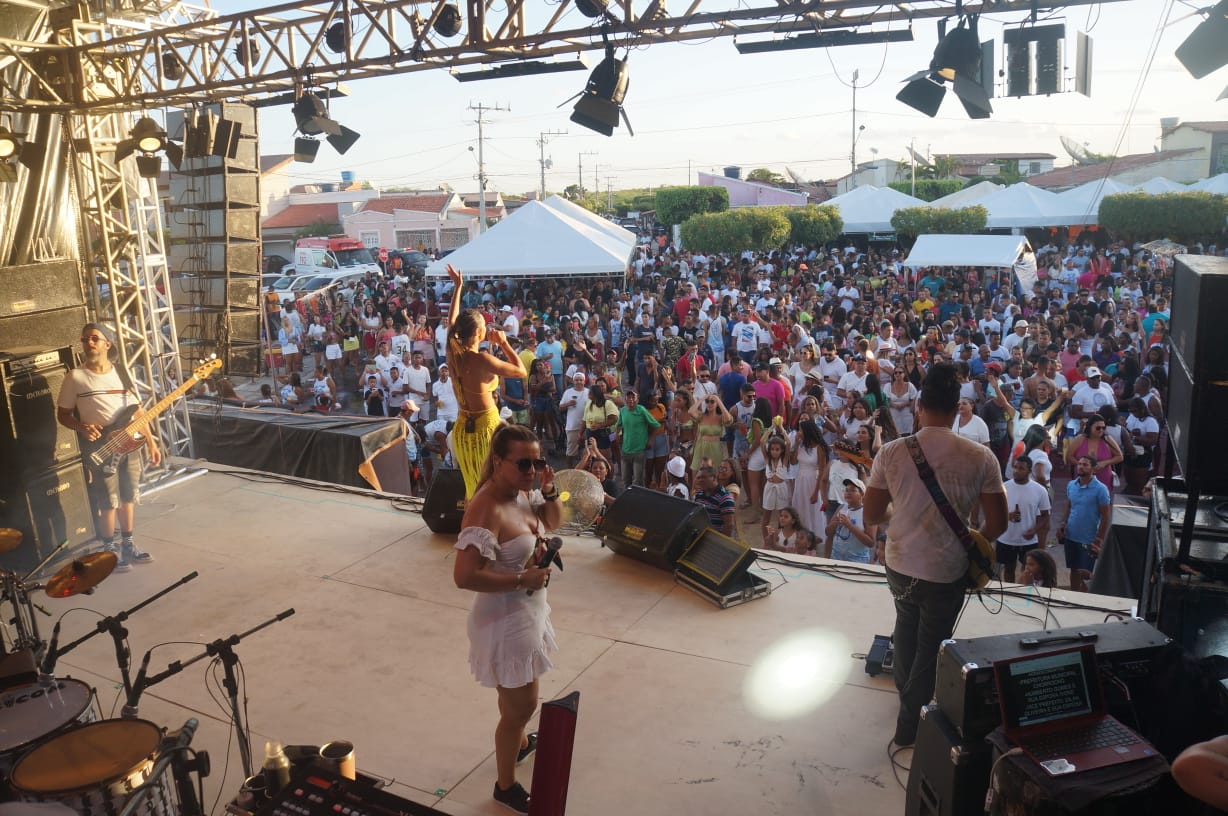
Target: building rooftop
(1079, 174)
(300, 215)
(424, 202)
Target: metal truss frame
(279, 49)
(125, 263)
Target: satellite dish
(1078, 153)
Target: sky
(701, 106)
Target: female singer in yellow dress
(475, 379)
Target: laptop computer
(1053, 708)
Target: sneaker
(528, 750)
(121, 564)
(515, 798)
(135, 554)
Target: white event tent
(967, 196)
(543, 240)
(869, 208)
(1005, 251)
(1022, 205)
(1081, 205)
(1158, 186)
(1216, 184)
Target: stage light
(825, 39)
(448, 22)
(9, 144)
(149, 166)
(601, 102)
(591, 8)
(172, 66)
(305, 149)
(957, 60)
(516, 69)
(147, 138)
(337, 37)
(1206, 49)
(14, 146)
(311, 116)
(247, 52)
(344, 140)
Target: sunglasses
(526, 464)
(93, 339)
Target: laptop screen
(1048, 687)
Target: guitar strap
(930, 479)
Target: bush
(813, 225)
(1179, 216)
(913, 221)
(755, 228)
(675, 205)
(929, 189)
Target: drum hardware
(223, 651)
(25, 625)
(173, 751)
(112, 624)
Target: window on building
(416, 239)
(369, 238)
(1033, 168)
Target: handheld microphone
(52, 650)
(129, 710)
(551, 555)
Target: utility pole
(912, 160)
(541, 146)
(609, 191)
(581, 172)
(482, 110)
(853, 141)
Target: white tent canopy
(1215, 184)
(967, 196)
(966, 250)
(1021, 205)
(541, 241)
(1159, 185)
(1081, 205)
(573, 210)
(869, 208)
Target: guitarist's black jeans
(925, 615)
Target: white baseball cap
(676, 467)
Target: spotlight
(448, 21)
(591, 8)
(311, 116)
(147, 137)
(601, 101)
(337, 37)
(344, 140)
(149, 166)
(14, 146)
(9, 144)
(957, 60)
(1206, 49)
(172, 66)
(247, 52)
(305, 149)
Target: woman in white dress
(810, 455)
(510, 636)
(902, 398)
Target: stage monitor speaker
(444, 506)
(1197, 406)
(947, 777)
(31, 440)
(652, 527)
(50, 508)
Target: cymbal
(580, 495)
(10, 539)
(82, 575)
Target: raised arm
(458, 281)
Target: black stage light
(591, 8)
(1206, 49)
(305, 149)
(957, 60)
(337, 37)
(922, 93)
(448, 22)
(10, 144)
(344, 140)
(601, 102)
(148, 165)
(172, 66)
(247, 52)
(311, 116)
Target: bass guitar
(124, 434)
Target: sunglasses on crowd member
(526, 464)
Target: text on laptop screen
(1048, 687)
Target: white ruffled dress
(510, 636)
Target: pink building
(752, 193)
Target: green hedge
(1178, 216)
(914, 221)
(675, 205)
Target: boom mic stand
(223, 649)
(114, 625)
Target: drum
(31, 713)
(95, 768)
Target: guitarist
(926, 561)
(91, 398)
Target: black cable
(897, 766)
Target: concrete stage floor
(377, 654)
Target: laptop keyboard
(1103, 734)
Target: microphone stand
(113, 624)
(223, 649)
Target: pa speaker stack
(652, 527)
(42, 481)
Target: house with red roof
(429, 221)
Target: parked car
(412, 260)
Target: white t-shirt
(446, 406)
(97, 397)
(575, 413)
(396, 391)
(920, 543)
(832, 372)
(399, 344)
(1147, 425)
(1039, 457)
(850, 382)
(1092, 400)
(976, 430)
(746, 336)
(1031, 500)
(849, 295)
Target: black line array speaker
(50, 507)
(652, 527)
(444, 506)
(1198, 371)
(31, 441)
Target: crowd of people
(771, 381)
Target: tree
(676, 204)
(813, 225)
(318, 229)
(929, 189)
(913, 221)
(755, 228)
(1179, 216)
(766, 176)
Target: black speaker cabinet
(31, 441)
(948, 777)
(1196, 408)
(42, 287)
(444, 506)
(652, 527)
(50, 508)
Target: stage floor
(677, 699)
